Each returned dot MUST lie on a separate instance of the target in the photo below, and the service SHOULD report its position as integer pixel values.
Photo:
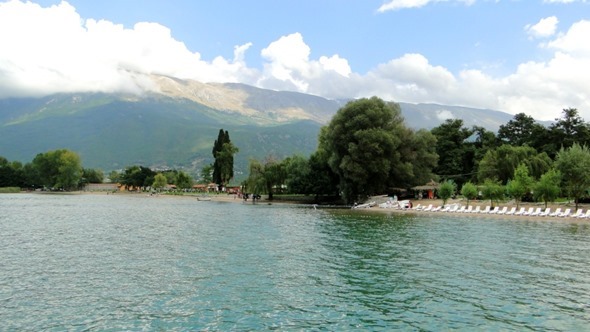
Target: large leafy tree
(160, 181)
(265, 177)
(370, 148)
(574, 165)
(564, 132)
(183, 180)
(223, 152)
(58, 169)
(11, 173)
(137, 177)
(519, 131)
(501, 162)
(454, 151)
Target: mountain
(175, 127)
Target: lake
(132, 262)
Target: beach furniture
(565, 213)
(462, 209)
(536, 213)
(454, 208)
(585, 215)
(529, 211)
(511, 211)
(446, 209)
(556, 213)
(428, 208)
(469, 209)
(504, 210)
(520, 212)
(494, 210)
(486, 210)
(436, 209)
(418, 207)
(545, 213)
(476, 210)
(578, 213)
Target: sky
(530, 56)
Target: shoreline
(230, 198)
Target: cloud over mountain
(54, 49)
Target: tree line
(368, 150)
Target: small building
(429, 188)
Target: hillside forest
(367, 149)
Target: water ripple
(90, 263)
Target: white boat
(364, 206)
(203, 198)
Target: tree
(58, 169)
(160, 181)
(501, 162)
(455, 157)
(519, 131)
(137, 177)
(297, 170)
(469, 191)
(521, 184)
(183, 180)
(446, 190)
(547, 188)
(267, 177)
(114, 177)
(223, 152)
(574, 165)
(492, 190)
(93, 175)
(207, 174)
(370, 149)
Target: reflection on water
(135, 262)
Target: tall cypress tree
(223, 152)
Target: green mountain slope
(112, 132)
(176, 127)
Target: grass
(9, 190)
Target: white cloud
(546, 27)
(54, 50)
(404, 4)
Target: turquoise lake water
(114, 262)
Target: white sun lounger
(565, 213)
(476, 210)
(578, 213)
(469, 209)
(528, 212)
(536, 213)
(486, 210)
(556, 213)
(428, 208)
(511, 212)
(520, 212)
(494, 210)
(585, 215)
(545, 213)
(503, 211)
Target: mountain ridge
(175, 125)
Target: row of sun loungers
(531, 211)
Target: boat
(203, 198)
(364, 206)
